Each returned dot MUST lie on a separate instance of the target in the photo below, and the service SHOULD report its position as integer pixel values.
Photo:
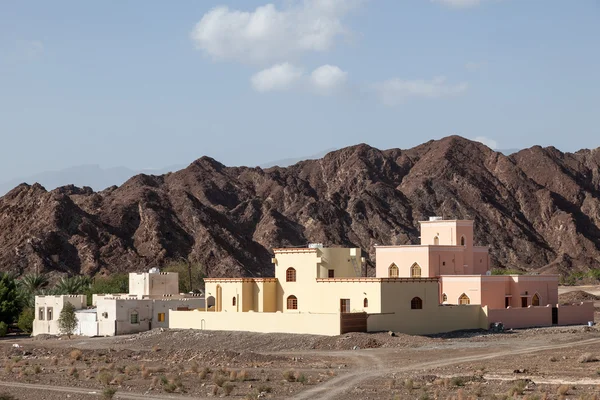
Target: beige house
(151, 295)
(442, 284)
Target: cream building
(146, 306)
(442, 284)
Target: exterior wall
(446, 260)
(576, 314)
(528, 285)
(326, 296)
(302, 323)
(114, 316)
(435, 320)
(455, 286)
(55, 304)
(404, 257)
(153, 284)
(304, 261)
(340, 260)
(520, 317)
(87, 323)
(481, 260)
(163, 306)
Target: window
(462, 241)
(292, 303)
(134, 318)
(444, 297)
(415, 271)
(464, 299)
(290, 275)
(524, 302)
(365, 303)
(393, 271)
(49, 313)
(506, 302)
(436, 240)
(416, 303)
(443, 262)
(161, 317)
(535, 300)
(345, 305)
(331, 273)
(41, 314)
(233, 301)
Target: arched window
(365, 303)
(233, 302)
(416, 303)
(462, 241)
(436, 240)
(464, 299)
(535, 300)
(393, 271)
(292, 303)
(444, 297)
(290, 275)
(415, 271)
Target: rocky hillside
(538, 209)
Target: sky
(146, 84)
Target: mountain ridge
(539, 209)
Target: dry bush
(457, 381)
(37, 369)
(553, 359)
(289, 375)
(170, 387)
(131, 370)
(586, 357)
(563, 390)
(75, 354)
(54, 361)
(219, 380)
(8, 369)
(73, 372)
(146, 372)
(243, 375)
(228, 388)
(155, 348)
(518, 388)
(155, 381)
(409, 384)
(202, 374)
(108, 393)
(105, 377)
(424, 396)
(215, 390)
(119, 379)
(390, 384)
(302, 379)
(194, 367)
(233, 376)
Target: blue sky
(145, 84)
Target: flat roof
(272, 279)
(380, 280)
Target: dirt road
(370, 365)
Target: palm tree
(31, 285)
(72, 285)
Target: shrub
(264, 389)
(155, 348)
(233, 376)
(73, 372)
(289, 375)
(164, 380)
(131, 370)
(25, 321)
(219, 380)
(302, 379)
(37, 369)
(553, 359)
(67, 320)
(170, 387)
(228, 388)
(55, 361)
(105, 377)
(3, 329)
(424, 396)
(119, 379)
(108, 393)
(194, 367)
(563, 389)
(215, 390)
(75, 354)
(457, 381)
(518, 388)
(409, 384)
(243, 375)
(7, 396)
(586, 357)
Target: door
(506, 302)
(345, 305)
(524, 302)
(554, 315)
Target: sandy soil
(169, 364)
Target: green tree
(117, 283)
(3, 329)
(25, 322)
(72, 285)
(67, 321)
(9, 298)
(31, 285)
(184, 268)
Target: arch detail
(464, 299)
(416, 303)
(415, 271)
(290, 275)
(393, 271)
(292, 302)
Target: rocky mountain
(539, 209)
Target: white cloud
(268, 34)
(475, 66)
(491, 143)
(459, 3)
(278, 77)
(328, 78)
(395, 91)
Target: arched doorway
(535, 300)
(210, 301)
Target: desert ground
(539, 363)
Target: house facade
(440, 285)
(146, 306)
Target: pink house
(448, 252)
